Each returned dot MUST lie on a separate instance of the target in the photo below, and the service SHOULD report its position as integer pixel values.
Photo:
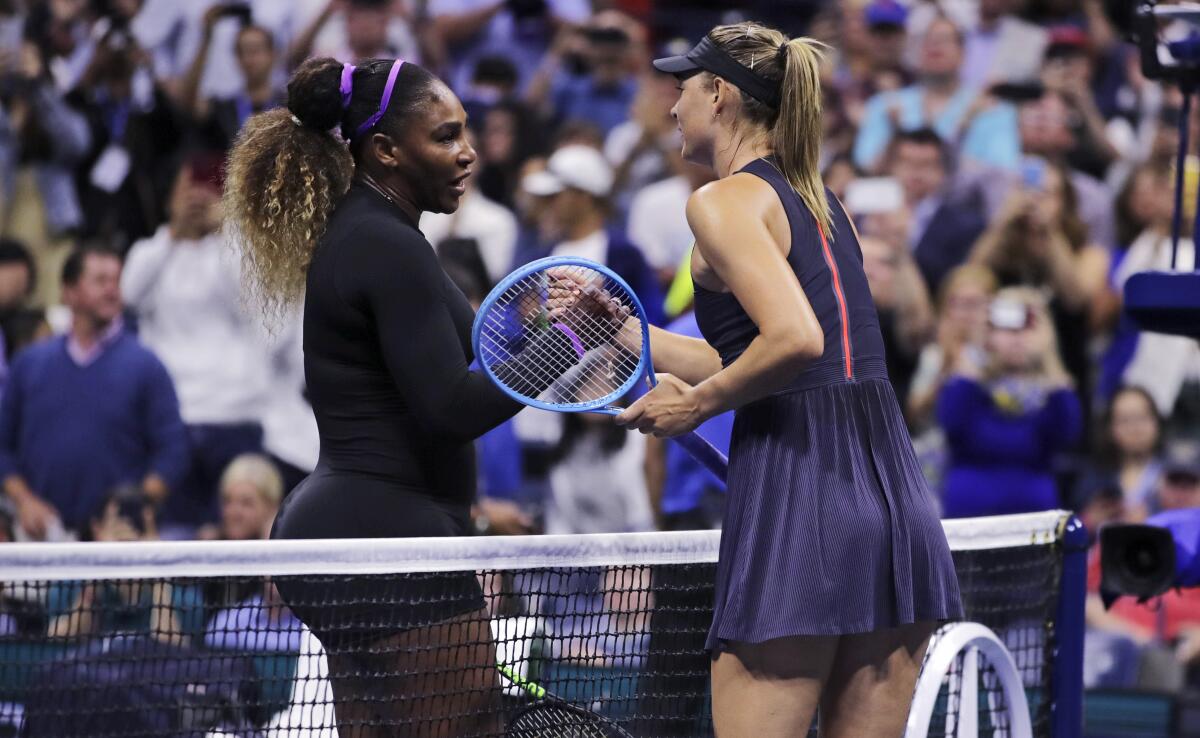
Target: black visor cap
(707, 56)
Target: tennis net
(436, 637)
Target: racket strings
(551, 720)
(527, 354)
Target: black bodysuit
(387, 344)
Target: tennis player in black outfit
(386, 355)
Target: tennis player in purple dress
(834, 569)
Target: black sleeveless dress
(829, 527)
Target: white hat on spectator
(575, 166)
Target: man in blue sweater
(86, 412)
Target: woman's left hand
(670, 409)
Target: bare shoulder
(740, 195)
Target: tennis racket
(569, 335)
(551, 717)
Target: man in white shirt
(658, 223)
(184, 286)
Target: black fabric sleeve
(394, 273)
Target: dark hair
(495, 70)
(131, 503)
(73, 267)
(287, 169)
(924, 136)
(14, 252)
(1107, 452)
(252, 28)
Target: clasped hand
(671, 408)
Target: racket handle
(704, 452)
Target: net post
(1067, 682)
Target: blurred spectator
(184, 285)
(88, 411)
(1002, 47)
(134, 135)
(646, 148)
(17, 279)
(507, 139)
(41, 140)
(838, 175)
(1007, 419)
(494, 81)
(290, 433)
(18, 276)
(940, 232)
(588, 74)
(658, 222)
(357, 30)
(492, 226)
(575, 187)
(250, 491)
(519, 30)
(1068, 72)
(1047, 125)
(167, 612)
(962, 312)
(938, 100)
(62, 31)
(597, 480)
(221, 118)
(1039, 240)
(1165, 366)
(248, 614)
(903, 305)
(1128, 457)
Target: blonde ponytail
(795, 127)
(798, 130)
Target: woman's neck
(734, 151)
(402, 200)
(1136, 461)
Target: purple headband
(383, 101)
(347, 84)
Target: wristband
(575, 342)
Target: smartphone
(1033, 173)
(872, 195)
(240, 11)
(1011, 315)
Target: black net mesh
(436, 654)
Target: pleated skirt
(829, 525)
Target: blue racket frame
(700, 449)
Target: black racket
(550, 717)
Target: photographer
(221, 118)
(134, 134)
(589, 73)
(1007, 419)
(41, 141)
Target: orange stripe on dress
(840, 296)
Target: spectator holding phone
(1007, 419)
(588, 74)
(1038, 240)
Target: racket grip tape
(704, 452)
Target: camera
(1145, 561)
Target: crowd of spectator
(1005, 162)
